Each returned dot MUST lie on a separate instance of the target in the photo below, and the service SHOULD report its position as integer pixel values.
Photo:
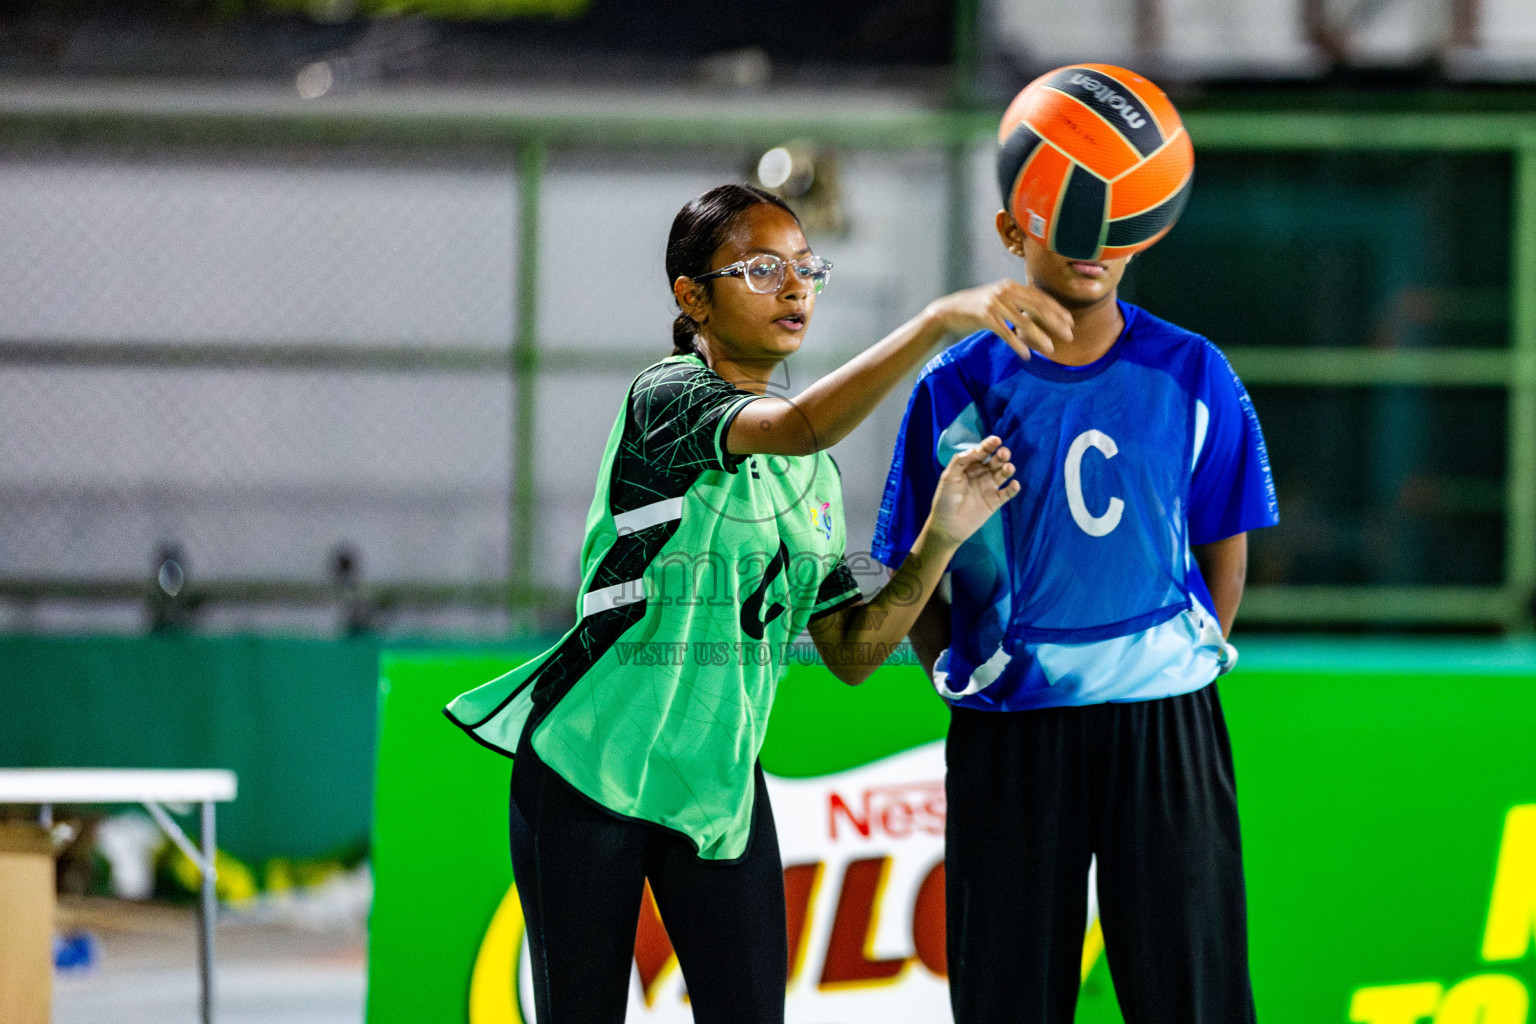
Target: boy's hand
(974, 485)
(1022, 315)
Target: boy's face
(1076, 284)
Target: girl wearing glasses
(715, 537)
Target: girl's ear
(691, 298)
(1009, 231)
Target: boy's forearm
(1224, 565)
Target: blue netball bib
(1082, 589)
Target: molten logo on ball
(1110, 98)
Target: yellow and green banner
(1388, 796)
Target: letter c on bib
(1092, 525)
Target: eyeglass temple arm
(729, 271)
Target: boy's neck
(1094, 331)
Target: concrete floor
(267, 973)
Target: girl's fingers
(1038, 336)
(1048, 313)
(989, 459)
(1025, 301)
(1019, 345)
(981, 451)
(1051, 329)
(1041, 341)
(991, 469)
(1010, 331)
(974, 460)
(1026, 328)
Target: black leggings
(1147, 786)
(580, 873)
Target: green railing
(530, 134)
(1513, 369)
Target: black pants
(1146, 786)
(580, 873)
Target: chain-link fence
(262, 367)
(278, 386)
(228, 363)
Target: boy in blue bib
(1086, 625)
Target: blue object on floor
(76, 952)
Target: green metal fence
(528, 135)
(1512, 369)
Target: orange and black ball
(1094, 162)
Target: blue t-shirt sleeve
(940, 398)
(911, 482)
(1232, 490)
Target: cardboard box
(26, 924)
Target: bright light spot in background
(790, 170)
(171, 577)
(774, 167)
(314, 80)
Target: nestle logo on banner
(895, 812)
(1107, 96)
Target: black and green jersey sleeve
(680, 413)
(838, 590)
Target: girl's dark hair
(697, 231)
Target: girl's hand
(974, 485)
(1038, 321)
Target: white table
(153, 788)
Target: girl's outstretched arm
(827, 411)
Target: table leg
(208, 910)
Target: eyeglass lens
(766, 273)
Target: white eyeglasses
(764, 273)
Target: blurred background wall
(314, 317)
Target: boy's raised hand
(1021, 314)
(974, 485)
